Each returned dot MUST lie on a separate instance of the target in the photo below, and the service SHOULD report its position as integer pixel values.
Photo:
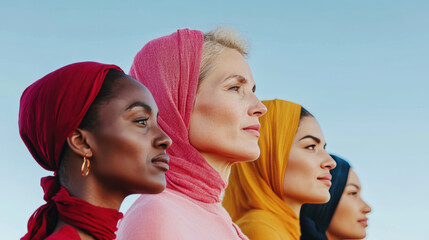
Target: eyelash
(353, 193)
(142, 120)
(234, 88)
(311, 147)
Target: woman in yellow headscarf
(264, 197)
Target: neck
(293, 204)
(219, 163)
(90, 188)
(330, 236)
(86, 188)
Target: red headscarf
(169, 67)
(51, 109)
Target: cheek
(297, 177)
(213, 122)
(216, 128)
(122, 152)
(124, 163)
(121, 144)
(299, 170)
(216, 111)
(300, 180)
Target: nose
(366, 208)
(258, 109)
(162, 140)
(328, 162)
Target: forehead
(128, 91)
(309, 126)
(353, 178)
(231, 62)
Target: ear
(78, 143)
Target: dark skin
(127, 151)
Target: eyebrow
(316, 139)
(241, 79)
(352, 184)
(140, 104)
(312, 137)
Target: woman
(264, 197)
(344, 216)
(96, 128)
(205, 92)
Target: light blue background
(361, 67)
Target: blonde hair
(215, 42)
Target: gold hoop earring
(85, 167)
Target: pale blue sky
(361, 67)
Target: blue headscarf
(315, 218)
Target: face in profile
(224, 122)
(307, 178)
(128, 148)
(350, 220)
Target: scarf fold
(315, 218)
(100, 222)
(169, 68)
(50, 110)
(258, 185)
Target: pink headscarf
(169, 68)
(51, 109)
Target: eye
(234, 88)
(354, 193)
(311, 147)
(142, 122)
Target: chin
(240, 153)
(321, 198)
(361, 235)
(252, 152)
(356, 236)
(154, 188)
(249, 156)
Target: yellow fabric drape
(253, 197)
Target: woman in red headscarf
(205, 92)
(96, 128)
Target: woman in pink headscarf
(96, 128)
(205, 92)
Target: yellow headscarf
(255, 189)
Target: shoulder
(259, 224)
(65, 233)
(158, 216)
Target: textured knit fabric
(173, 215)
(315, 218)
(169, 68)
(50, 110)
(254, 197)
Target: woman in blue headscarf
(344, 216)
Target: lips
(363, 222)
(326, 179)
(161, 161)
(253, 129)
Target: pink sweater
(173, 215)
